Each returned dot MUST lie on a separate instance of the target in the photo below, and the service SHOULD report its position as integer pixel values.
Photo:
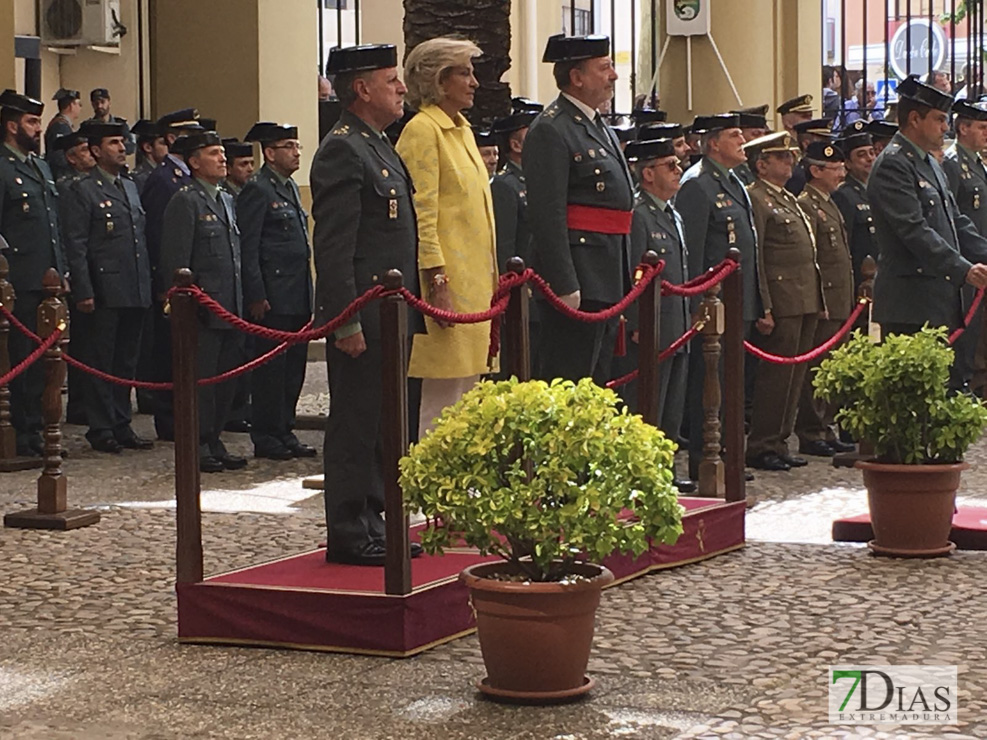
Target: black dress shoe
(794, 461)
(685, 485)
(415, 549)
(237, 426)
(301, 450)
(133, 441)
(231, 462)
(817, 447)
(106, 444)
(841, 446)
(748, 476)
(372, 553)
(210, 464)
(273, 453)
(769, 461)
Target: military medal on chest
(976, 199)
(731, 232)
(392, 209)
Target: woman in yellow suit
(457, 258)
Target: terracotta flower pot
(535, 637)
(911, 507)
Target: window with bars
(582, 21)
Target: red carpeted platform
(305, 603)
(969, 530)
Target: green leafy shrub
(895, 396)
(540, 473)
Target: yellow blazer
(455, 231)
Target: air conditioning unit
(81, 23)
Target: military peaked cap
(800, 104)
(854, 141)
(15, 101)
(642, 151)
(824, 151)
(267, 131)
(780, 141)
(184, 118)
(816, 127)
(911, 89)
(361, 58)
(653, 131)
(708, 124)
(99, 93)
(562, 48)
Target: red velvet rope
(648, 273)
(699, 285)
(662, 356)
(968, 318)
(818, 351)
(31, 358)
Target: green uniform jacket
(569, 160)
(832, 251)
(200, 232)
(365, 219)
(274, 245)
(851, 199)
(104, 243)
(510, 202)
(788, 275)
(925, 244)
(57, 126)
(717, 217)
(968, 183)
(29, 220)
(652, 229)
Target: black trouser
(145, 360)
(219, 350)
(26, 389)
(277, 384)
(75, 402)
(241, 396)
(112, 343)
(573, 349)
(354, 484)
(158, 369)
(965, 347)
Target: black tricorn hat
(911, 89)
(190, 143)
(514, 122)
(361, 58)
(524, 105)
(641, 151)
(882, 129)
(65, 94)
(977, 111)
(753, 110)
(484, 137)
(562, 48)
(708, 124)
(649, 115)
(145, 129)
(268, 131)
(96, 132)
(64, 142)
(653, 131)
(854, 141)
(235, 148)
(15, 101)
(752, 120)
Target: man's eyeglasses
(296, 147)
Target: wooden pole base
(14, 464)
(315, 483)
(63, 520)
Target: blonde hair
(427, 64)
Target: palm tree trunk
(486, 22)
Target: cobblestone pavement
(735, 647)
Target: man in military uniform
(795, 110)
(239, 165)
(816, 129)
(881, 132)
(364, 226)
(824, 165)
(753, 125)
(928, 248)
(791, 296)
(486, 143)
(63, 123)
(277, 286)
(200, 232)
(159, 188)
(580, 200)
(99, 98)
(111, 283)
(717, 216)
(152, 148)
(851, 196)
(657, 226)
(29, 224)
(671, 131)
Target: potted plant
(543, 475)
(895, 395)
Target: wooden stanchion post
(517, 339)
(733, 373)
(183, 312)
(711, 471)
(52, 511)
(649, 320)
(394, 382)
(10, 461)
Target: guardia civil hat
(642, 151)
(754, 110)
(209, 124)
(63, 94)
(361, 58)
(709, 124)
(147, 130)
(798, 104)
(623, 126)
(97, 131)
(267, 131)
(64, 142)
(562, 48)
(649, 115)
(514, 122)
(484, 137)
(524, 105)
(194, 141)
(816, 127)
(13, 100)
(752, 120)
(882, 129)
(235, 148)
(976, 110)
(911, 89)
(653, 131)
